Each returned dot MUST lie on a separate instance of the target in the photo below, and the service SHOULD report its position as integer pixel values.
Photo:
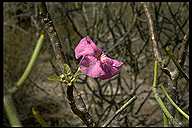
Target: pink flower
(94, 62)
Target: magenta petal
(91, 66)
(117, 64)
(109, 70)
(114, 63)
(87, 47)
(105, 59)
(94, 62)
(110, 67)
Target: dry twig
(76, 102)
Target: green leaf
(68, 79)
(62, 76)
(55, 78)
(76, 75)
(67, 69)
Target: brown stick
(75, 100)
(78, 106)
(172, 85)
(52, 34)
(183, 50)
(151, 30)
(155, 48)
(172, 82)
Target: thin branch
(73, 24)
(151, 30)
(183, 50)
(78, 106)
(29, 66)
(173, 103)
(166, 112)
(177, 64)
(120, 110)
(10, 109)
(155, 48)
(165, 120)
(174, 15)
(52, 34)
(172, 85)
(75, 100)
(38, 117)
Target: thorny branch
(75, 100)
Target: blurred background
(121, 30)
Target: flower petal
(109, 70)
(113, 62)
(104, 59)
(109, 66)
(94, 62)
(91, 66)
(87, 47)
(117, 64)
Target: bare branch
(183, 50)
(155, 48)
(151, 30)
(78, 106)
(52, 34)
(74, 97)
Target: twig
(183, 50)
(165, 121)
(155, 48)
(172, 88)
(174, 17)
(38, 117)
(151, 30)
(78, 106)
(177, 64)
(166, 112)
(11, 110)
(17, 27)
(29, 66)
(75, 100)
(52, 34)
(73, 24)
(155, 74)
(120, 110)
(172, 102)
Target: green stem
(11, 110)
(172, 102)
(38, 117)
(165, 120)
(120, 110)
(177, 64)
(29, 66)
(166, 112)
(155, 74)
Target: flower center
(97, 56)
(101, 57)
